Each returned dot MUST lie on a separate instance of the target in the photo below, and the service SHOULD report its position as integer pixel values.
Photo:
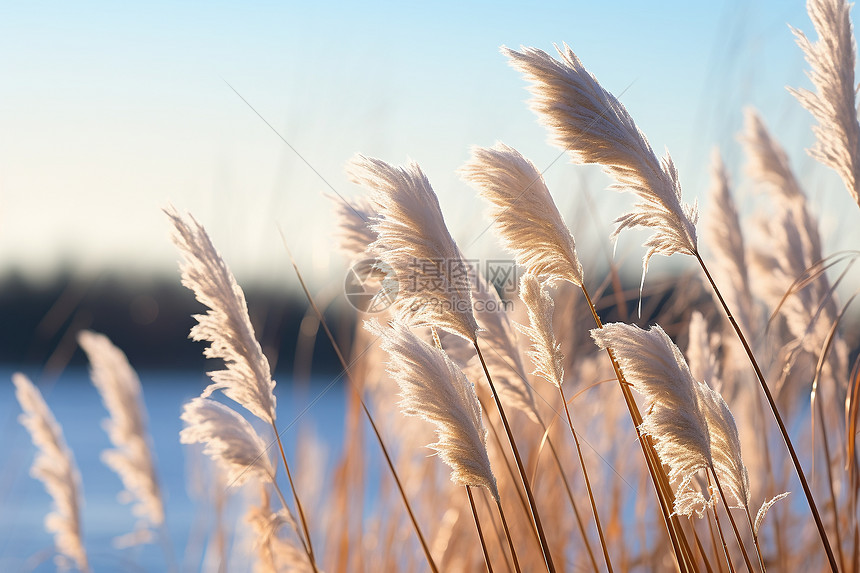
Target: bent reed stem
(819, 524)
(480, 532)
(508, 536)
(535, 516)
(665, 498)
(587, 482)
(376, 432)
(302, 519)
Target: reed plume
(546, 351)
(412, 239)
(834, 102)
(55, 467)
(353, 233)
(594, 127)
(433, 388)
(725, 238)
(523, 209)
(132, 458)
(247, 378)
(227, 438)
(691, 423)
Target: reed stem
(819, 524)
(587, 482)
(508, 535)
(304, 522)
(570, 497)
(535, 516)
(665, 497)
(722, 537)
(732, 521)
(480, 532)
(379, 439)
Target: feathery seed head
(55, 467)
(227, 438)
(433, 279)
(524, 213)
(546, 351)
(433, 388)
(132, 459)
(594, 127)
(247, 378)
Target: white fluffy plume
(131, 458)
(55, 467)
(502, 350)
(546, 351)
(354, 234)
(692, 425)
(412, 239)
(247, 378)
(432, 387)
(834, 103)
(228, 439)
(725, 238)
(524, 213)
(592, 125)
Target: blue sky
(110, 111)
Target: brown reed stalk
(819, 524)
(376, 432)
(722, 537)
(508, 536)
(663, 490)
(587, 481)
(535, 516)
(478, 526)
(570, 497)
(732, 521)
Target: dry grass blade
(55, 467)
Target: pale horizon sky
(111, 111)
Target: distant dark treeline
(149, 319)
